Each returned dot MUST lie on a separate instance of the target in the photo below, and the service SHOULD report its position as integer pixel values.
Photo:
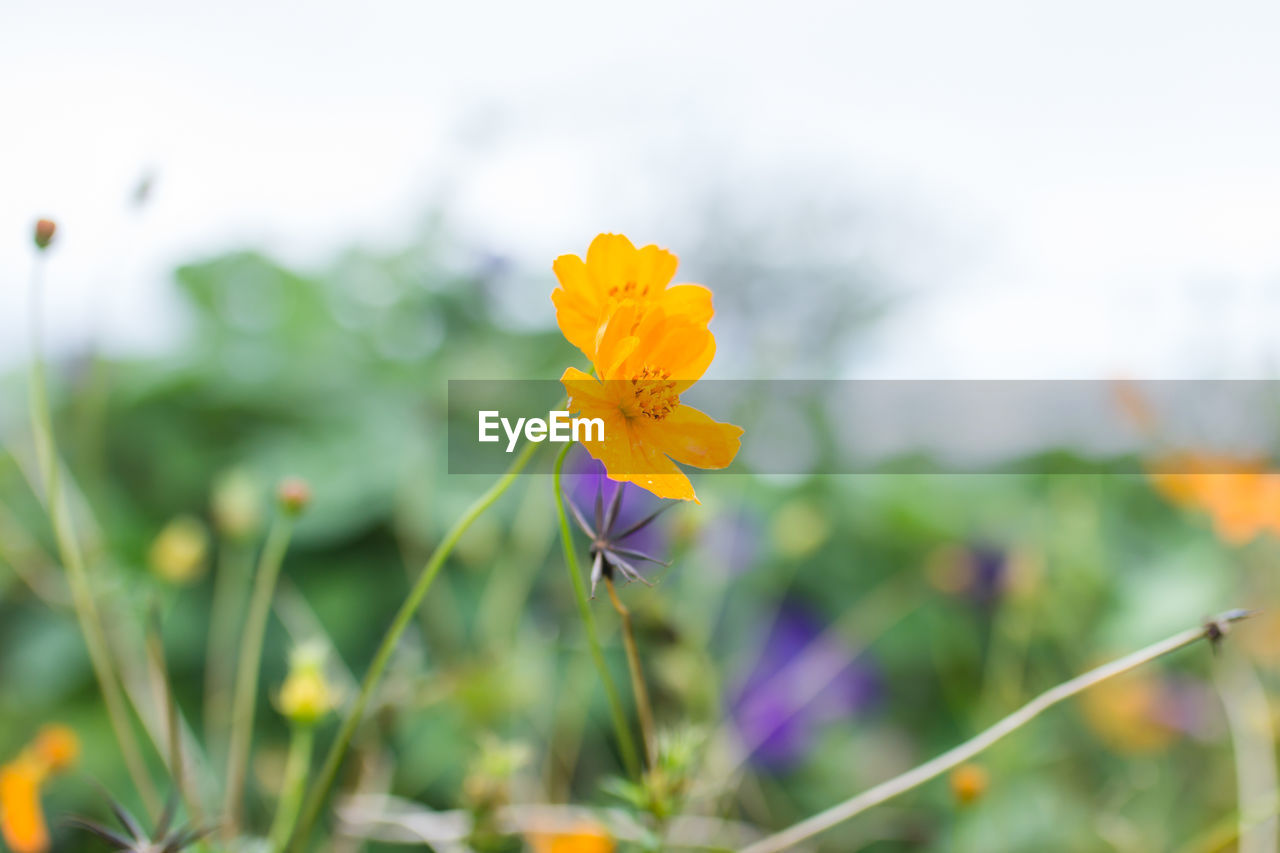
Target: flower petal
(690, 437)
(585, 837)
(57, 745)
(654, 270)
(578, 303)
(616, 452)
(683, 349)
(586, 393)
(571, 272)
(611, 261)
(578, 322)
(615, 342)
(21, 818)
(660, 475)
(627, 459)
(694, 365)
(691, 301)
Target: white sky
(1111, 168)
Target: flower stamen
(654, 393)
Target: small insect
(1215, 629)
(607, 552)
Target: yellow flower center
(654, 393)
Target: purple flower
(731, 543)
(977, 572)
(990, 570)
(802, 681)
(1187, 705)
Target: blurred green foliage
(963, 595)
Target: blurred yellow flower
(614, 276)
(306, 696)
(586, 837)
(1240, 495)
(178, 554)
(22, 822)
(644, 364)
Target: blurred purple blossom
(732, 541)
(1187, 705)
(801, 682)
(990, 570)
(977, 572)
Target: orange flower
(584, 838)
(1239, 495)
(57, 746)
(969, 782)
(22, 820)
(1125, 713)
(645, 361)
(614, 276)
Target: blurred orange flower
(1240, 495)
(1126, 714)
(57, 746)
(22, 822)
(614, 276)
(969, 782)
(645, 361)
(21, 818)
(584, 838)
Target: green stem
(167, 709)
(235, 561)
(319, 791)
(296, 769)
(246, 688)
(644, 709)
(72, 558)
(626, 743)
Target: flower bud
(236, 505)
(294, 494)
(45, 229)
(306, 696)
(969, 782)
(178, 554)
